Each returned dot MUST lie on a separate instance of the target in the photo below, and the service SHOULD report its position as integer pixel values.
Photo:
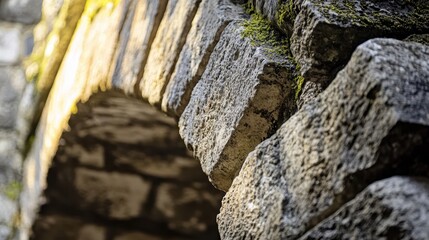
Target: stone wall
(17, 19)
(311, 115)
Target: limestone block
(56, 226)
(163, 162)
(325, 33)
(10, 44)
(23, 11)
(134, 45)
(165, 49)
(209, 22)
(397, 207)
(185, 209)
(371, 122)
(12, 83)
(86, 155)
(237, 104)
(115, 195)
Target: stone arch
(121, 171)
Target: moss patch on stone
(12, 190)
(398, 14)
(286, 13)
(261, 33)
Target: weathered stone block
(115, 195)
(237, 104)
(187, 210)
(92, 155)
(211, 19)
(165, 162)
(23, 11)
(56, 226)
(12, 83)
(325, 33)
(10, 44)
(371, 122)
(165, 49)
(395, 208)
(135, 44)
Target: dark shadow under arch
(122, 172)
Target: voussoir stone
(134, 44)
(372, 121)
(395, 208)
(237, 104)
(209, 22)
(165, 49)
(325, 33)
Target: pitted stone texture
(116, 195)
(12, 83)
(10, 44)
(23, 11)
(54, 227)
(371, 122)
(237, 103)
(209, 22)
(326, 33)
(135, 44)
(173, 203)
(395, 208)
(165, 49)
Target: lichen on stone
(389, 16)
(12, 190)
(261, 33)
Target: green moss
(299, 82)
(286, 13)
(261, 33)
(412, 14)
(12, 190)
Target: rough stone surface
(209, 22)
(10, 44)
(419, 38)
(23, 11)
(135, 44)
(54, 227)
(166, 47)
(395, 208)
(173, 204)
(116, 195)
(325, 33)
(371, 122)
(237, 103)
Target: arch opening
(122, 172)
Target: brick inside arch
(121, 172)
